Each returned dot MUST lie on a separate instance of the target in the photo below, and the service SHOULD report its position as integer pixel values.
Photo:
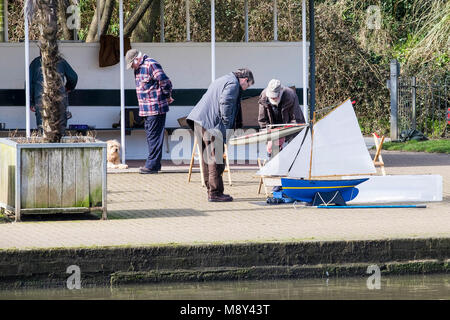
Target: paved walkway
(165, 209)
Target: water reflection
(398, 287)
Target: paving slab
(164, 209)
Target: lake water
(435, 286)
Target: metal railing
(419, 104)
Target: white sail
(279, 165)
(338, 149)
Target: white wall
(187, 64)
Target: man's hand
(171, 100)
(32, 108)
(278, 142)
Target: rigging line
(299, 148)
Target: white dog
(113, 158)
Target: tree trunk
(106, 9)
(106, 16)
(92, 33)
(52, 96)
(145, 30)
(131, 24)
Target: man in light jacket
(218, 110)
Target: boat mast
(312, 78)
(312, 141)
(312, 62)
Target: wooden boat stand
(378, 159)
(261, 179)
(196, 151)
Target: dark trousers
(212, 162)
(154, 129)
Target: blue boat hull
(304, 190)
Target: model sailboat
(316, 159)
(269, 134)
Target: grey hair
(245, 73)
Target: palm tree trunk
(52, 96)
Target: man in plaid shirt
(154, 93)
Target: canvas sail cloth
(267, 134)
(338, 149)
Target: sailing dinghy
(319, 156)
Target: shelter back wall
(96, 100)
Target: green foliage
(434, 146)
(442, 60)
(402, 49)
(435, 128)
(352, 60)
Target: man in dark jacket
(70, 78)
(278, 105)
(218, 110)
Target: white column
(275, 20)
(213, 41)
(162, 20)
(27, 77)
(305, 64)
(246, 20)
(122, 89)
(6, 20)
(99, 17)
(188, 22)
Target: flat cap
(131, 54)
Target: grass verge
(435, 146)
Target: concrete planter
(39, 178)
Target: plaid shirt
(153, 88)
